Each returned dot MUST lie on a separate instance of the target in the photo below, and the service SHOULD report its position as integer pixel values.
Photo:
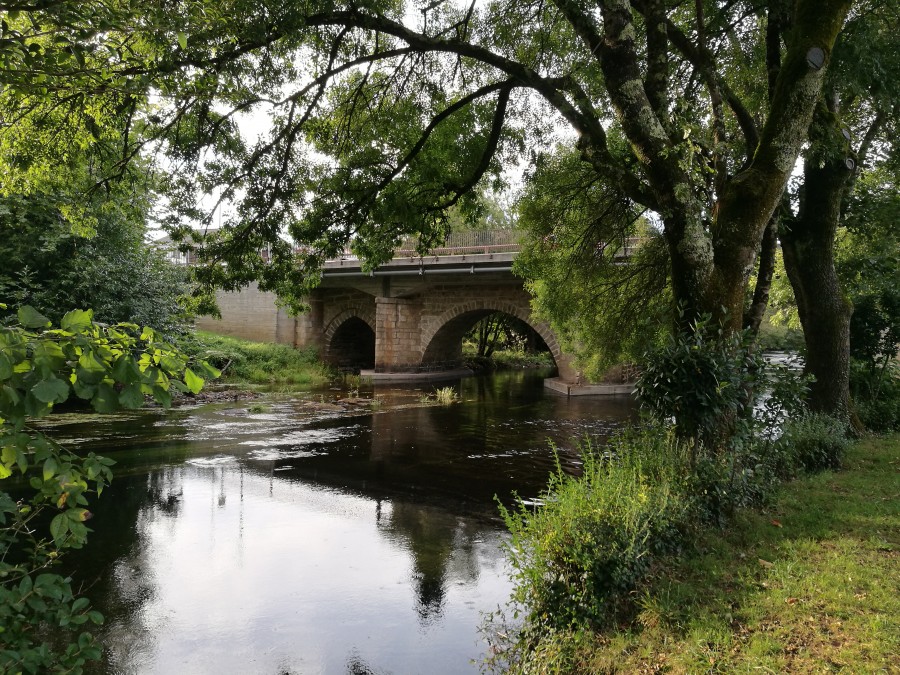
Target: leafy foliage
(740, 598)
(112, 367)
(579, 228)
(577, 558)
(813, 442)
(45, 264)
(244, 361)
(703, 380)
(582, 556)
(877, 396)
(383, 119)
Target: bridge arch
(442, 340)
(349, 339)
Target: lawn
(809, 585)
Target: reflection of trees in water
(129, 641)
(165, 491)
(122, 587)
(442, 552)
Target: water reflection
(304, 542)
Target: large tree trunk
(748, 200)
(808, 247)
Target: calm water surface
(302, 540)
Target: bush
(579, 558)
(876, 395)
(813, 442)
(44, 264)
(44, 620)
(702, 379)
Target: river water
(302, 539)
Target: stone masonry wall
(419, 332)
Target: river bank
(805, 585)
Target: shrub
(813, 442)
(579, 558)
(256, 362)
(876, 395)
(702, 379)
(44, 620)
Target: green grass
(505, 359)
(810, 585)
(257, 363)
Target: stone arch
(444, 337)
(349, 339)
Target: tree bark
(754, 315)
(808, 248)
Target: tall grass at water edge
(620, 556)
(257, 363)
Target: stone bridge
(406, 319)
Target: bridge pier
(397, 334)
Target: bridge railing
(467, 243)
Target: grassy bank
(505, 360)
(245, 363)
(807, 585)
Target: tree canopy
(384, 114)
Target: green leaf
(51, 390)
(126, 370)
(132, 396)
(182, 40)
(59, 526)
(6, 369)
(194, 382)
(31, 318)
(8, 455)
(78, 515)
(171, 364)
(88, 361)
(211, 372)
(84, 390)
(162, 396)
(105, 400)
(4, 472)
(49, 355)
(35, 407)
(50, 468)
(77, 320)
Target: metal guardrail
(490, 241)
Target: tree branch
(553, 90)
(704, 61)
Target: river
(282, 536)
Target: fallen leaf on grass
(766, 563)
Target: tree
(852, 129)
(114, 271)
(414, 109)
(605, 311)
